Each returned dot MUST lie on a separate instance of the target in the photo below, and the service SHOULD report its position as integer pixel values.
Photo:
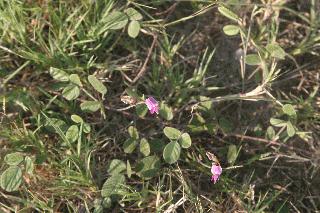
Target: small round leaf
(113, 185)
(232, 154)
(276, 51)
(58, 74)
(277, 122)
(116, 167)
(97, 84)
(71, 92)
(165, 112)
(29, 165)
(172, 133)
(72, 133)
(130, 145)
(90, 106)
(107, 202)
(11, 179)
(86, 127)
(252, 59)
(231, 30)
(141, 110)
(74, 78)
(134, 29)
(13, 159)
(171, 152)
(115, 21)
(144, 147)
(228, 13)
(77, 119)
(133, 132)
(133, 14)
(289, 110)
(290, 129)
(270, 134)
(185, 140)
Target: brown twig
(144, 66)
(169, 10)
(268, 142)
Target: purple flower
(216, 171)
(152, 105)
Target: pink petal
(148, 103)
(156, 109)
(153, 101)
(215, 178)
(216, 169)
(152, 105)
(152, 110)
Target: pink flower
(152, 105)
(216, 171)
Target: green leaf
(276, 51)
(232, 154)
(130, 145)
(252, 59)
(185, 140)
(107, 202)
(171, 152)
(205, 103)
(113, 185)
(277, 122)
(129, 170)
(133, 14)
(90, 106)
(98, 209)
(86, 127)
(74, 78)
(58, 74)
(231, 30)
(141, 110)
(290, 129)
(172, 133)
(114, 21)
(289, 110)
(13, 159)
(71, 92)
(165, 112)
(116, 167)
(228, 13)
(53, 123)
(133, 132)
(11, 179)
(270, 134)
(198, 119)
(97, 84)
(29, 165)
(72, 133)
(133, 29)
(76, 118)
(148, 167)
(144, 147)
